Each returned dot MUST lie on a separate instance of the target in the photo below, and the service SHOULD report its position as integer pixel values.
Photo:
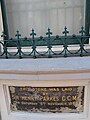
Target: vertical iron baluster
(49, 33)
(33, 34)
(65, 41)
(18, 43)
(82, 31)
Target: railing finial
(65, 31)
(82, 31)
(17, 34)
(49, 32)
(33, 33)
(3, 35)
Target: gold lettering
(15, 97)
(69, 98)
(63, 98)
(53, 89)
(66, 89)
(70, 103)
(74, 97)
(45, 93)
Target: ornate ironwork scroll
(47, 99)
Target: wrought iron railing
(49, 46)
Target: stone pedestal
(60, 74)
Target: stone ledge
(45, 64)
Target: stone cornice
(52, 71)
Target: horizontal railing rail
(49, 46)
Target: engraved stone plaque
(47, 99)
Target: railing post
(18, 43)
(49, 33)
(82, 32)
(33, 34)
(65, 41)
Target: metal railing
(49, 46)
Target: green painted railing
(49, 46)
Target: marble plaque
(47, 99)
